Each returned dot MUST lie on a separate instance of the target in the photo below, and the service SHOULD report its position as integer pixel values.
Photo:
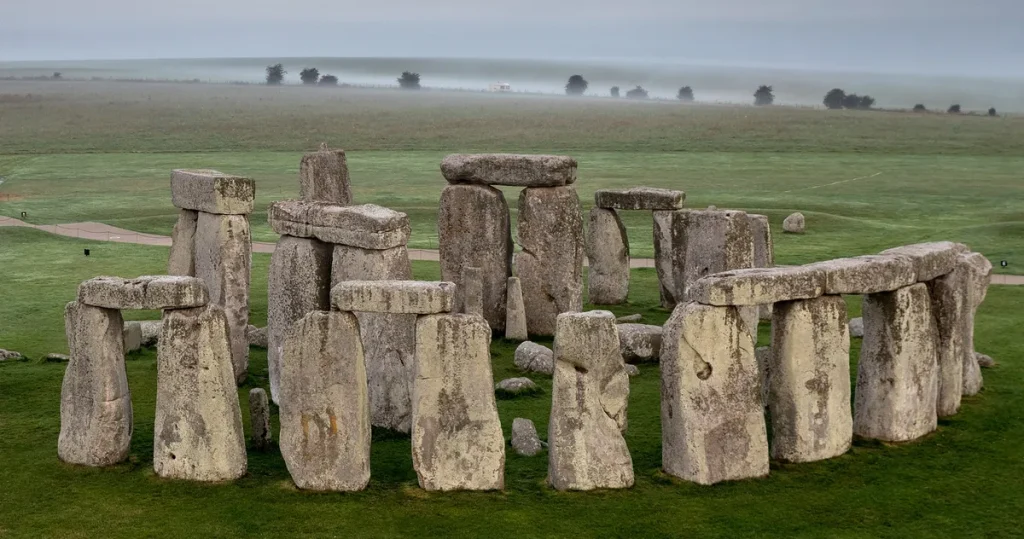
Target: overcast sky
(942, 36)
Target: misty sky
(974, 37)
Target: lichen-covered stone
(758, 286)
(132, 336)
(930, 260)
(516, 385)
(867, 274)
(629, 318)
(533, 357)
(984, 361)
(856, 327)
(323, 177)
(181, 260)
(146, 292)
(639, 198)
(608, 258)
(213, 192)
(256, 336)
(763, 356)
(639, 342)
(950, 295)
(470, 294)
(667, 260)
(259, 418)
(794, 224)
(510, 169)
(524, 437)
(515, 312)
(979, 271)
(395, 297)
(367, 225)
(150, 332)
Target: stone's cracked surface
(639, 198)
(857, 327)
(758, 286)
(259, 418)
(515, 312)
(979, 271)
(146, 292)
(667, 259)
(213, 192)
(256, 336)
(323, 177)
(867, 274)
(930, 260)
(510, 169)
(794, 224)
(533, 357)
(516, 385)
(712, 415)
(470, 294)
(524, 437)
(367, 226)
(181, 260)
(608, 256)
(639, 342)
(395, 297)
(950, 295)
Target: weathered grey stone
(7, 355)
(979, 271)
(867, 274)
(632, 370)
(524, 437)
(608, 257)
(794, 224)
(757, 286)
(629, 319)
(712, 415)
(146, 292)
(930, 260)
(211, 191)
(256, 336)
(897, 372)
(470, 294)
(516, 385)
(550, 265)
(809, 385)
(358, 264)
(323, 177)
(198, 426)
(763, 355)
(666, 258)
(95, 403)
(367, 225)
(984, 361)
(132, 336)
(639, 198)
(325, 414)
(638, 342)
(534, 357)
(950, 297)
(510, 169)
(181, 260)
(857, 327)
(150, 332)
(395, 297)
(590, 394)
(473, 229)
(57, 358)
(224, 263)
(259, 418)
(298, 283)
(457, 443)
(764, 254)
(515, 312)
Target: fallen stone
(632, 370)
(712, 416)
(590, 395)
(457, 443)
(985, 362)
(533, 357)
(57, 358)
(524, 437)
(324, 413)
(95, 403)
(867, 274)
(856, 327)
(213, 192)
(515, 312)
(516, 386)
(10, 355)
(198, 427)
(930, 260)
(323, 177)
(256, 336)
(979, 271)
(510, 169)
(757, 286)
(368, 226)
(181, 260)
(470, 294)
(629, 319)
(147, 292)
(638, 342)
(259, 418)
(897, 371)
(639, 198)
(132, 336)
(150, 332)
(396, 297)
(950, 307)
(794, 224)
(608, 257)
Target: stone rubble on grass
(629, 319)
(524, 437)
(639, 342)
(256, 336)
(857, 327)
(259, 418)
(794, 224)
(533, 357)
(8, 355)
(516, 385)
(510, 169)
(632, 370)
(57, 358)
(984, 361)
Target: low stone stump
(146, 292)
(639, 198)
(639, 342)
(515, 312)
(457, 442)
(897, 374)
(182, 258)
(325, 414)
(367, 226)
(510, 169)
(198, 426)
(930, 260)
(950, 296)
(95, 403)
(323, 177)
(712, 416)
(533, 357)
(214, 192)
(590, 395)
(809, 384)
(259, 418)
(979, 271)
(396, 297)
(608, 257)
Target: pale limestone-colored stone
(629, 319)
(510, 169)
(867, 274)
(713, 426)
(470, 294)
(298, 283)
(358, 264)
(666, 258)
(473, 229)
(323, 177)
(757, 286)
(984, 361)
(146, 292)
(181, 260)
(198, 426)
(794, 224)
(132, 336)
(639, 198)
(930, 260)
(516, 385)
(524, 437)
(632, 370)
(809, 385)
(395, 297)
(9, 355)
(764, 254)
(979, 271)
(457, 443)
(367, 225)
(589, 399)
(950, 296)
(608, 258)
(150, 332)
(857, 327)
(533, 357)
(259, 418)
(515, 312)
(211, 191)
(256, 336)
(897, 372)
(550, 265)
(639, 342)
(224, 263)
(325, 414)
(95, 403)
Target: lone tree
(834, 99)
(685, 94)
(866, 102)
(615, 91)
(954, 109)
(637, 93)
(275, 74)
(764, 96)
(409, 81)
(920, 108)
(328, 80)
(851, 101)
(992, 112)
(310, 75)
(576, 85)
(56, 75)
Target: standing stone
(259, 418)
(224, 262)
(198, 427)
(457, 443)
(132, 336)
(979, 271)
(325, 415)
(183, 249)
(211, 191)
(608, 256)
(665, 257)
(794, 224)
(299, 282)
(590, 394)
(95, 403)
(474, 230)
(809, 386)
(470, 293)
(712, 415)
(524, 437)
(764, 253)
(515, 312)
(857, 327)
(763, 355)
(897, 372)
(323, 177)
(950, 305)
(550, 265)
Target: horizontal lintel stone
(396, 297)
(869, 274)
(510, 169)
(758, 286)
(640, 198)
(147, 292)
(931, 260)
(367, 225)
(212, 191)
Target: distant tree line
(311, 76)
(838, 99)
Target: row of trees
(953, 109)
(839, 99)
(310, 76)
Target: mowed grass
(962, 481)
